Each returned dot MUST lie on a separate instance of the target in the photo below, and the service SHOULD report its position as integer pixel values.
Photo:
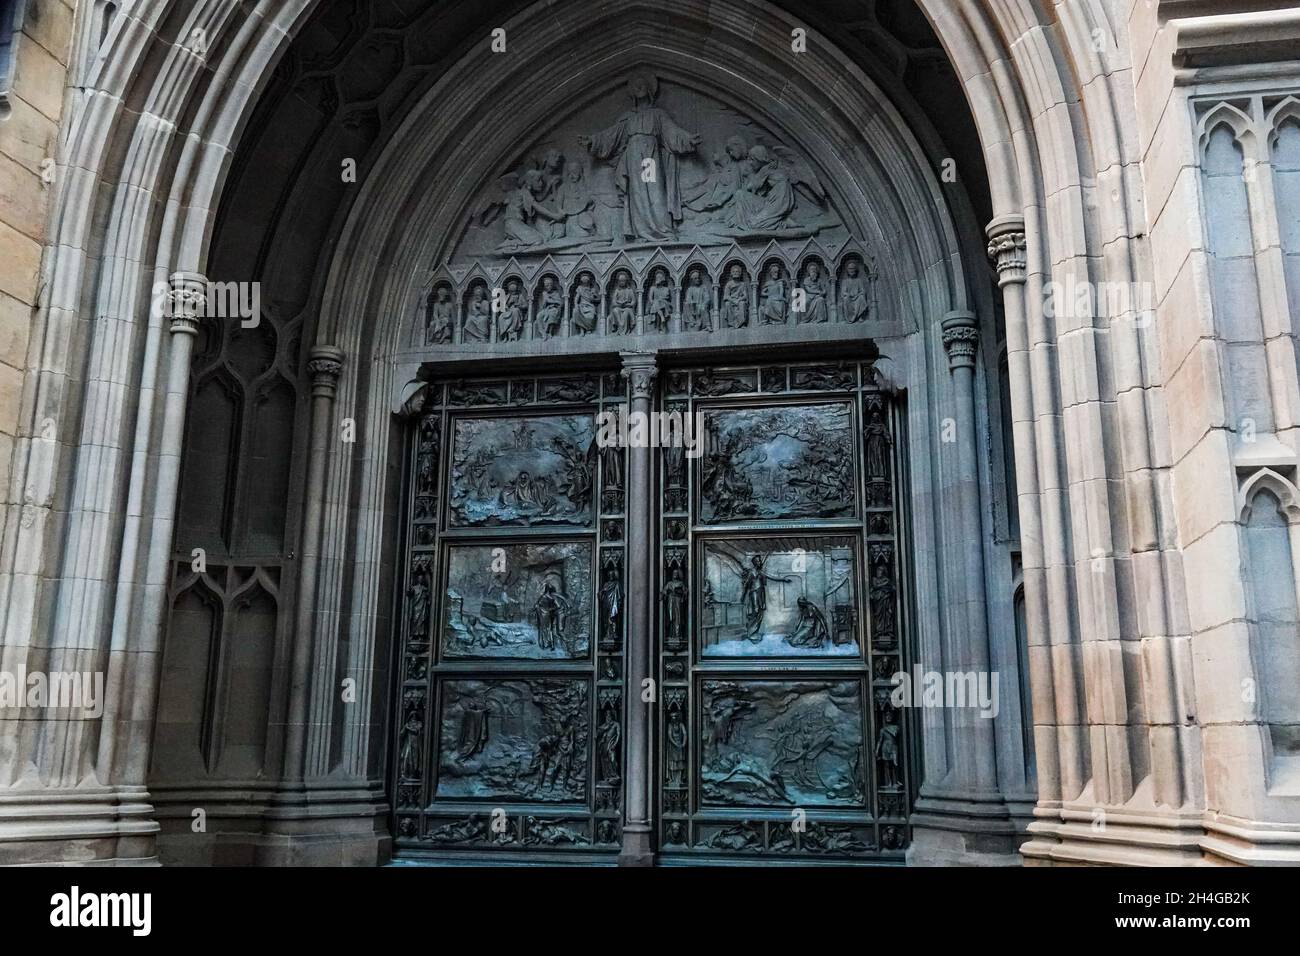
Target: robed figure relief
(699, 305)
(816, 291)
(550, 310)
(437, 330)
(674, 609)
(753, 582)
(854, 305)
(644, 145)
(772, 299)
(734, 311)
(586, 305)
(812, 629)
(766, 197)
(611, 606)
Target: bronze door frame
(433, 826)
(692, 827)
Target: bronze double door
(778, 624)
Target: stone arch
(1240, 123)
(364, 307)
(1266, 479)
(1286, 111)
(1020, 69)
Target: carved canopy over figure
(644, 144)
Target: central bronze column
(638, 843)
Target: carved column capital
(641, 370)
(961, 339)
(1007, 248)
(187, 301)
(326, 365)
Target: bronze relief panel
(532, 471)
(777, 462)
(522, 600)
(797, 742)
(514, 739)
(779, 596)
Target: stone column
(325, 365)
(110, 818)
(976, 759)
(186, 304)
(1044, 539)
(962, 818)
(638, 843)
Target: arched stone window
(1271, 517)
(1228, 149)
(11, 24)
(1285, 151)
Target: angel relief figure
(525, 213)
(644, 145)
(547, 204)
(717, 191)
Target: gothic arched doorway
(765, 257)
(656, 578)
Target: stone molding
(641, 372)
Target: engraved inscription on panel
(771, 463)
(523, 471)
(518, 600)
(514, 739)
(779, 597)
(781, 742)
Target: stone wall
(1218, 111)
(31, 106)
(1152, 145)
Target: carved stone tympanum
(656, 209)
